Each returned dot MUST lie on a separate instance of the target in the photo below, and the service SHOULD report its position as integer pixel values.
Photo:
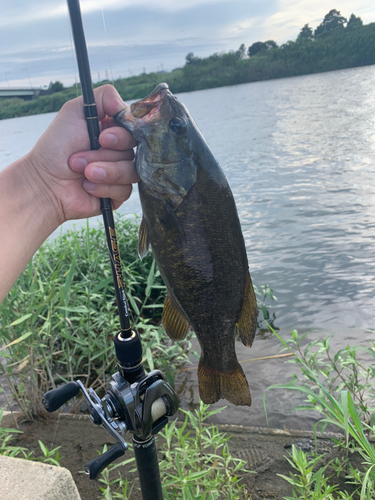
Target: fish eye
(177, 124)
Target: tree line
(337, 43)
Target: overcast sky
(130, 36)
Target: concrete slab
(26, 480)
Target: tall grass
(58, 321)
(340, 387)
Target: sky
(128, 37)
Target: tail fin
(215, 385)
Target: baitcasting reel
(134, 402)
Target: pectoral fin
(247, 322)
(175, 323)
(143, 241)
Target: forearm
(27, 218)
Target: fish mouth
(146, 109)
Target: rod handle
(95, 466)
(148, 468)
(54, 399)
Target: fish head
(163, 128)
(159, 121)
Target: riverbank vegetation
(340, 388)
(197, 463)
(337, 43)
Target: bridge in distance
(26, 93)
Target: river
(299, 154)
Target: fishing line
(73, 55)
(106, 41)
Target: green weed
(265, 319)
(7, 435)
(58, 321)
(197, 462)
(115, 487)
(340, 388)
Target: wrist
(28, 199)
(24, 221)
(39, 193)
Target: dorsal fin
(143, 241)
(175, 324)
(247, 322)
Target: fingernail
(89, 186)
(111, 140)
(97, 173)
(78, 164)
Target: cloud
(145, 34)
(287, 19)
(139, 34)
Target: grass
(196, 463)
(58, 321)
(340, 387)
(7, 449)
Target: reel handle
(54, 399)
(95, 466)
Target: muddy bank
(263, 449)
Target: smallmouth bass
(191, 222)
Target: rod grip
(148, 469)
(54, 399)
(95, 466)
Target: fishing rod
(134, 402)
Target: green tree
(354, 22)
(192, 59)
(289, 45)
(306, 34)
(256, 47)
(331, 21)
(271, 44)
(241, 52)
(56, 86)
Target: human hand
(71, 177)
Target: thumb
(108, 101)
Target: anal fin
(247, 322)
(215, 385)
(175, 324)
